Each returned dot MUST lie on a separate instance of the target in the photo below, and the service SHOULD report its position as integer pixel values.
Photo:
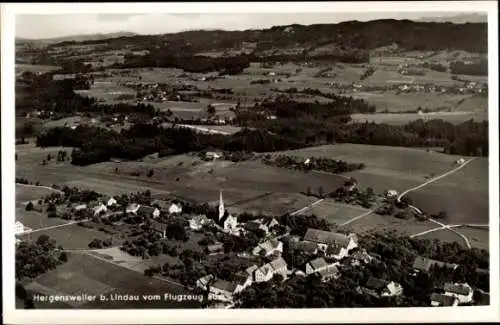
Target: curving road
(41, 186)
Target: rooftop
(443, 300)
(457, 288)
(327, 237)
(224, 285)
(318, 263)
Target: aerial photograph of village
(299, 162)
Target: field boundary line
(41, 186)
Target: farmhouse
(132, 208)
(438, 299)
(338, 244)
(384, 288)
(462, 291)
(197, 222)
(148, 212)
(361, 256)
(254, 225)
(213, 155)
(268, 248)
(222, 290)
(99, 208)
(328, 273)
(424, 264)
(391, 194)
(110, 201)
(267, 271)
(175, 209)
(20, 228)
(316, 265)
(305, 247)
(80, 207)
(205, 281)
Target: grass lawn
(405, 118)
(35, 68)
(444, 236)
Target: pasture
(35, 68)
(463, 194)
(456, 117)
(100, 277)
(478, 237)
(396, 168)
(391, 101)
(377, 223)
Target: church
(226, 220)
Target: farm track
(41, 186)
(53, 227)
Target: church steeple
(221, 207)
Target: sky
(51, 26)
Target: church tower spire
(221, 207)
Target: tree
(29, 206)
(308, 191)
(320, 191)
(49, 157)
(63, 257)
(211, 109)
(150, 173)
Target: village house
(329, 273)
(253, 225)
(213, 155)
(438, 299)
(205, 281)
(132, 208)
(462, 291)
(79, 207)
(316, 265)
(160, 204)
(222, 290)
(305, 247)
(335, 245)
(269, 224)
(383, 288)
(175, 209)
(197, 222)
(268, 248)
(242, 280)
(98, 208)
(110, 201)
(267, 271)
(217, 248)
(20, 228)
(391, 194)
(148, 212)
(424, 264)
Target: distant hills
(77, 38)
(458, 19)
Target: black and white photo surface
(250, 162)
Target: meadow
(97, 276)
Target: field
(334, 212)
(86, 274)
(404, 118)
(464, 194)
(35, 68)
(396, 168)
(71, 236)
(376, 223)
(478, 237)
(389, 101)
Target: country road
(435, 179)
(52, 227)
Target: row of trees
(35, 258)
